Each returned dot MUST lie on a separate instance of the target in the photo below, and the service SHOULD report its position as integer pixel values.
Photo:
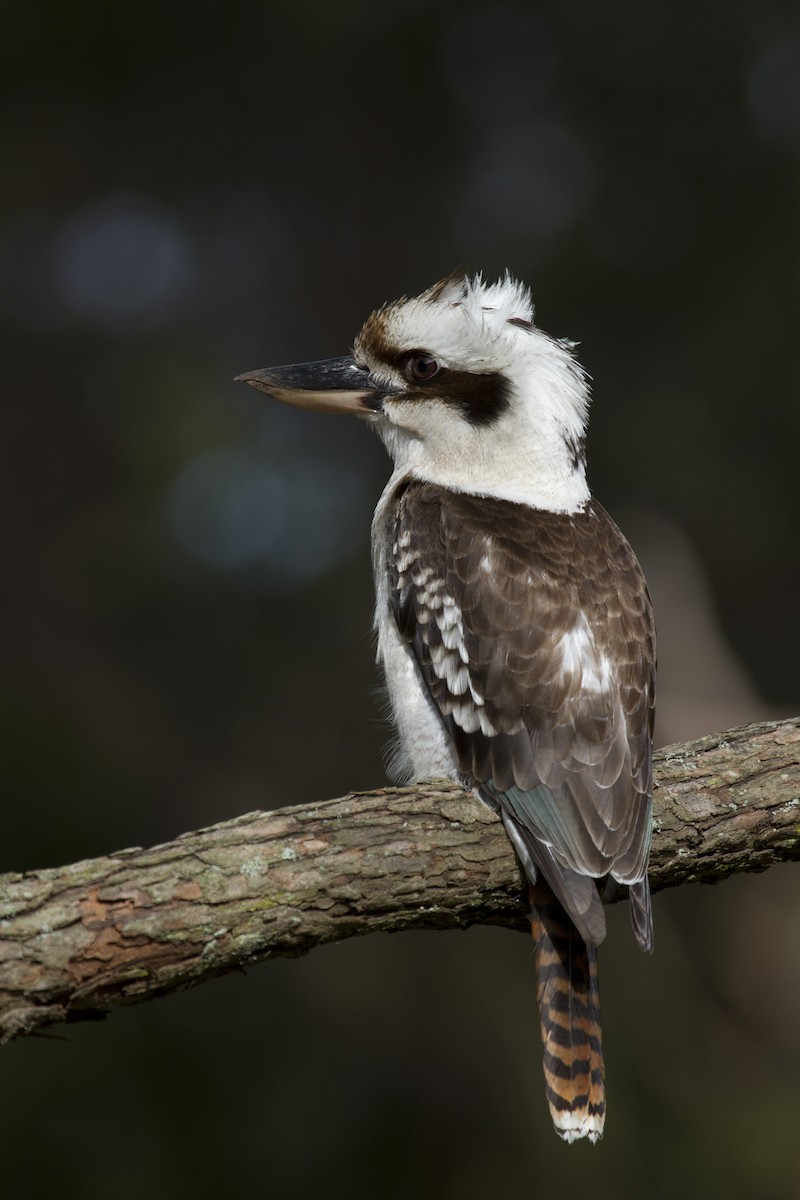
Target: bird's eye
(421, 367)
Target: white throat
(532, 454)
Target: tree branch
(79, 940)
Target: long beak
(330, 385)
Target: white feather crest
(507, 299)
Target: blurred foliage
(195, 190)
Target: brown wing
(533, 632)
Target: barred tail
(569, 1013)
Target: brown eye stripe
(480, 399)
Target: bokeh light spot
(532, 182)
(773, 94)
(237, 510)
(123, 260)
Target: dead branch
(76, 941)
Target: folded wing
(533, 633)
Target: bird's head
(464, 390)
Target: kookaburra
(513, 622)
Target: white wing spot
(581, 659)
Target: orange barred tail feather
(569, 1013)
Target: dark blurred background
(191, 191)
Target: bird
(514, 625)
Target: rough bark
(79, 940)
